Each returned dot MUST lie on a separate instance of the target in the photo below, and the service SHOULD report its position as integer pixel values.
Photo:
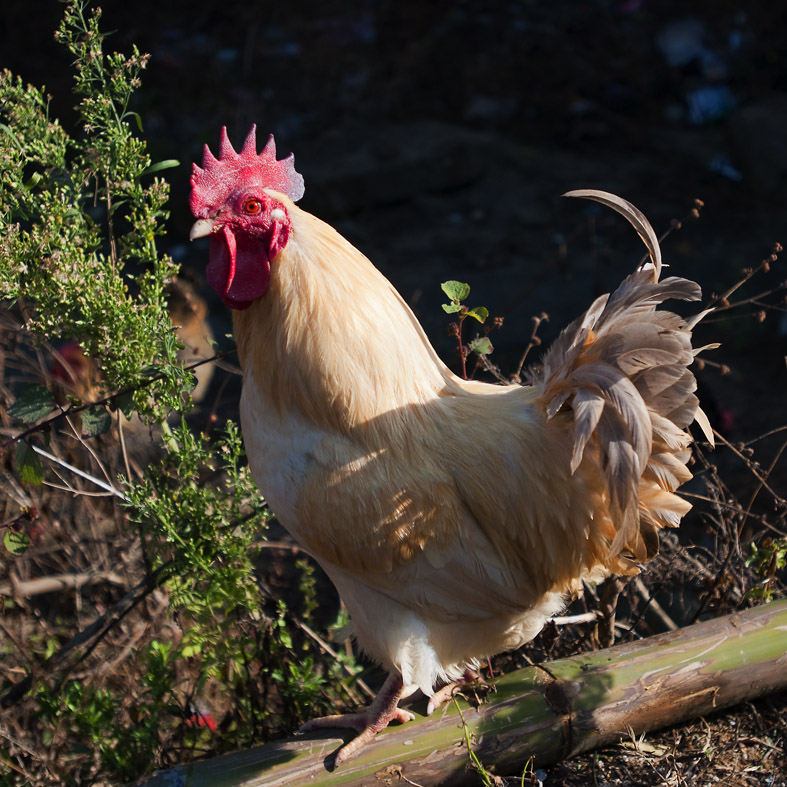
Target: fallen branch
(584, 702)
(27, 588)
(573, 620)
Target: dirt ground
(438, 137)
(736, 748)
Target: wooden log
(581, 703)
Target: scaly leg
(447, 692)
(383, 710)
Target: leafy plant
(64, 201)
(80, 219)
(457, 292)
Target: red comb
(211, 182)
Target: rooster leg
(447, 692)
(369, 722)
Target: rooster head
(236, 201)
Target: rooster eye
(252, 206)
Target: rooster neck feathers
(334, 336)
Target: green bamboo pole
(581, 703)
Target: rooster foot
(366, 723)
(447, 692)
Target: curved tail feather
(622, 370)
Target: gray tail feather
(622, 368)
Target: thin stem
(532, 342)
(462, 359)
(81, 473)
(749, 464)
(747, 274)
(362, 685)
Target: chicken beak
(202, 228)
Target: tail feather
(668, 470)
(634, 216)
(675, 398)
(621, 369)
(609, 386)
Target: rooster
(365, 444)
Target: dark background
(439, 136)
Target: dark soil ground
(438, 137)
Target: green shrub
(80, 216)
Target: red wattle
(239, 268)
(232, 249)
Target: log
(536, 715)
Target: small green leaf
(28, 465)
(455, 290)
(34, 180)
(10, 134)
(116, 205)
(450, 308)
(758, 593)
(136, 117)
(161, 165)
(32, 403)
(16, 542)
(95, 421)
(480, 346)
(479, 312)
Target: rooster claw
(366, 723)
(447, 692)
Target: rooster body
(453, 516)
(380, 479)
